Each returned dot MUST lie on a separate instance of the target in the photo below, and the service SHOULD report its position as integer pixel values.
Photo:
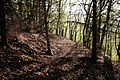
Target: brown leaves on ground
(24, 59)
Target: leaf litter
(24, 58)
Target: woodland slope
(24, 58)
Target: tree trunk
(59, 16)
(46, 28)
(65, 32)
(117, 46)
(106, 24)
(86, 26)
(98, 29)
(94, 36)
(2, 24)
(118, 51)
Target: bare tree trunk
(118, 50)
(98, 29)
(70, 22)
(94, 32)
(2, 24)
(62, 32)
(88, 39)
(86, 26)
(58, 22)
(65, 33)
(46, 28)
(111, 45)
(75, 33)
(107, 20)
(117, 46)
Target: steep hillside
(25, 59)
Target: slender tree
(98, 29)
(70, 22)
(59, 16)
(117, 46)
(46, 28)
(94, 32)
(86, 25)
(107, 21)
(118, 51)
(2, 24)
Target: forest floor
(25, 59)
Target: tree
(2, 24)
(59, 16)
(106, 22)
(86, 31)
(46, 27)
(94, 32)
(117, 46)
(118, 51)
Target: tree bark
(46, 28)
(2, 24)
(98, 29)
(59, 16)
(94, 32)
(87, 20)
(106, 24)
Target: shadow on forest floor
(23, 64)
(83, 69)
(64, 68)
